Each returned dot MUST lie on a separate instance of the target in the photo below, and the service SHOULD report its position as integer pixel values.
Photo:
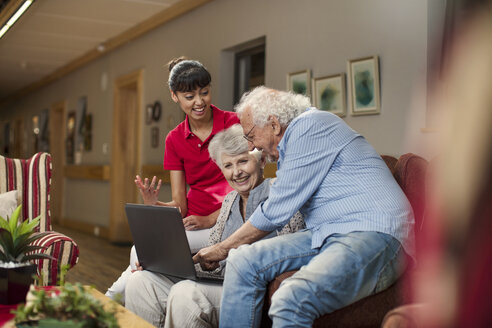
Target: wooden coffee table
(126, 318)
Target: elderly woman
(147, 292)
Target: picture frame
(300, 82)
(329, 94)
(70, 138)
(363, 74)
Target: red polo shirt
(186, 152)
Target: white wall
(320, 35)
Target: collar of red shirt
(217, 118)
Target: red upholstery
(32, 179)
(409, 171)
(390, 162)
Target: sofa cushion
(367, 312)
(8, 203)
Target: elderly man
(359, 222)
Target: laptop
(160, 240)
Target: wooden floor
(100, 262)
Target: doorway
(125, 151)
(249, 70)
(57, 150)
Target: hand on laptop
(195, 222)
(149, 191)
(210, 257)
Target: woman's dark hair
(187, 75)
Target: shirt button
(199, 145)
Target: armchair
(32, 179)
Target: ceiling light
(15, 17)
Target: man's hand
(210, 257)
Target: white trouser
(146, 295)
(197, 240)
(192, 305)
(118, 287)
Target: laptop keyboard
(209, 275)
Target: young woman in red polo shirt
(186, 156)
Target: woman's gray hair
(265, 102)
(231, 142)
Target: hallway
(100, 262)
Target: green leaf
(4, 224)
(21, 241)
(14, 218)
(26, 226)
(6, 241)
(3, 257)
(27, 249)
(38, 256)
(36, 236)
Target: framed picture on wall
(70, 141)
(363, 76)
(329, 94)
(299, 82)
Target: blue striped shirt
(337, 180)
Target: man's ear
(174, 96)
(275, 124)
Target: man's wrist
(225, 247)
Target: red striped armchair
(32, 179)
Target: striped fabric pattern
(32, 179)
(62, 248)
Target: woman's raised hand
(149, 192)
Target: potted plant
(68, 306)
(16, 254)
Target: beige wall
(320, 35)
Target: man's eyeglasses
(247, 137)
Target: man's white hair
(265, 102)
(231, 142)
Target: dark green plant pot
(15, 282)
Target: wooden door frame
(58, 183)
(134, 79)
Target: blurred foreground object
(454, 286)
